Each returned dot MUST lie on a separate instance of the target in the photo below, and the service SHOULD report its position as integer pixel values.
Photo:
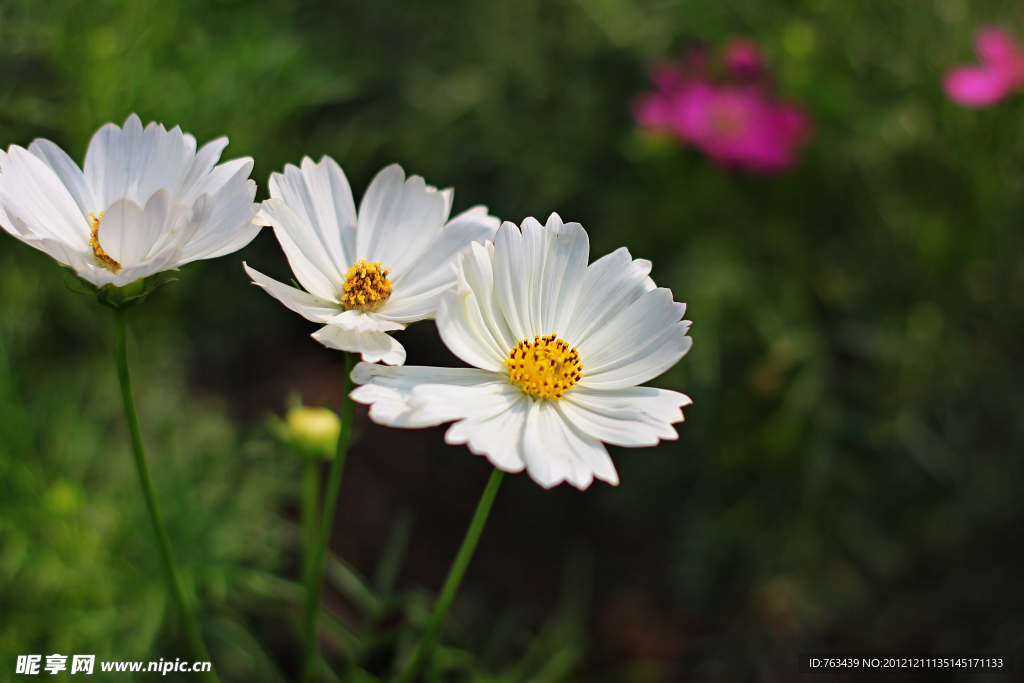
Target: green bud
(311, 431)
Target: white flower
(146, 202)
(559, 350)
(373, 274)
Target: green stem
(174, 583)
(455, 574)
(310, 510)
(315, 575)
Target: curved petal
(633, 417)
(562, 274)
(538, 274)
(320, 195)
(387, 389)
(197, 178)
(364, 321)
(165, 260)
(229, 225)
(611, 284)
(645, 328)
(495, 430)
(995, 47)
(398, 218)
(374, 346)
(129, 232)
(81, 263)
(32, 191)
(973, 86)
(132, 163)
(308, 306)
(418, 289)
(68, 172)
(645, 361)
(467, 319)
(311, 265)
(556, 451)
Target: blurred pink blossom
(737, 123)
(743, 59)
(1001, 71)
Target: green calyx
(130, 295)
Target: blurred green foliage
(850, 474)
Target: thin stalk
(188, 619)
(310, 513)
(315, 576)
(455, 574)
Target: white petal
(562, 274)
(134, 163)
(165, 160)
(643, 363)
(128, 232)
(109, 158)
(467, 319)
(388, 389)
(397, 219)
(489, 412)
(612, 283)
(320, 195)
(638, 416)
(308, 306)
(31, 191)
(517, 259)
(498, 435)
(229, 226)
(556, 451)
(374, 346)
(240, 239)
(83, 263)
(68, 172)
(646, 332)
(164, 260)
(307, 257)
(364, 321)
(197, 177)
(418, 290)
(538, 275)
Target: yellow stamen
(545, 367)
(366, 286)
(94, 241)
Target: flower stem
(315, 574)
(455, 574)
(174, 583)
(310, 511)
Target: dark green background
(848, 478)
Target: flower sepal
(119, 297)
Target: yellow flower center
(366, 286)
(94, 241)
(545, 367)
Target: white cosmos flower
(373, 274)
(146, 202)
(559, 349)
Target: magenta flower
(741, 128)
(736, 123)
(743, 59)
(1001, 71)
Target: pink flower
(740, 127)
(1001, 71)
(743, 59)
(737, 124)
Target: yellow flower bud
(314, 432)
